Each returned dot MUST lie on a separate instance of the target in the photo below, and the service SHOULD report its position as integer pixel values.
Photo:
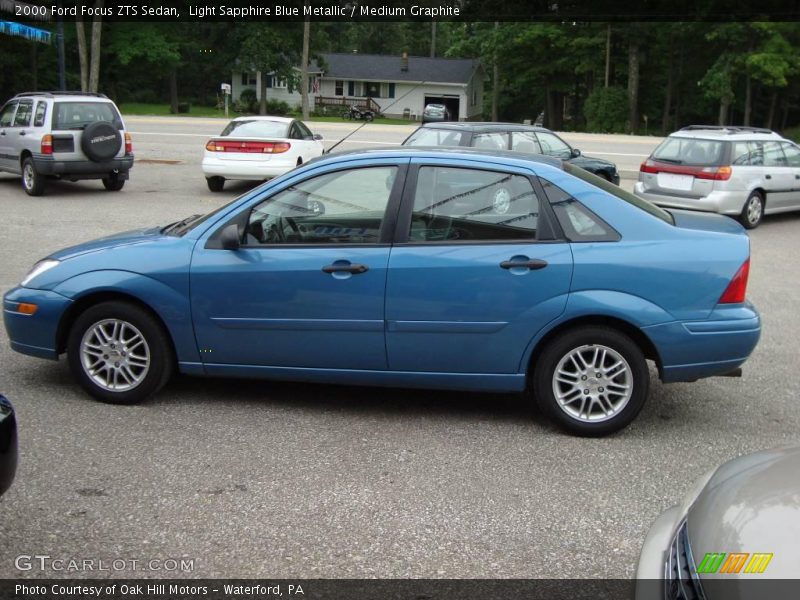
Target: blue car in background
(433, 268)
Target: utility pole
(62, 74)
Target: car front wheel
(119, 353)
(591, 381)
(32, 180)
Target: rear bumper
(246, 169)
(726, 203)
(85, 169)
(691, 350)
(34, 334)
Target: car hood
(751, 505)
(125, 238)
(590, 162)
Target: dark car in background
(510, 136)
(8, 444)
(435, 113)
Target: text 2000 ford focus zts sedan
(412, 267)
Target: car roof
(723, 133)
(484, 127)
(513, 158)
(265, 118)
(71, 96)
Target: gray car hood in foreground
(751, 505)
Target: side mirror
(229, 239)
(575, 153)
(317, 136)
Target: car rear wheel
(215, 184)
(591, 381)
(119, 353)
(113, 183)
(32, 180)
(753, 211)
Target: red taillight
(736, 289)
(128, 144)
(648, 167)
(247, 147)
(712, 173)
(47, 144)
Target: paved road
(183, 139)
(260, 479)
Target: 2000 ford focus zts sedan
(427, 268)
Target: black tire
(113, 183)
(156, 343)
(752, 211)
(215, 184)
(32, 180)
(592, 338)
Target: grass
(162, 110)
(380, 120)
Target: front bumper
(653, 555)
(691, 350)
(252, 170)
(34, 334)
(83, 169)
(725, 203)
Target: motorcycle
(355, 113)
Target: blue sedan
(433, 268)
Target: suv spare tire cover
(101, 141)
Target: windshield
(617, 191)
(254, 128)
(77, 115)
(428, 136)
(690, 151)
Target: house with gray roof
(396, 86)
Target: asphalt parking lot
(259, 479)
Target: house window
(373, 90)
(338, 88)
(248, 78)
(351, 88)
(391, 90)
(279, 82)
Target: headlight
(39, 268)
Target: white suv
(66, 135)
(745, 172)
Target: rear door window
(453, 204)
(490, 141)
(773, 155)
(24, 113)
